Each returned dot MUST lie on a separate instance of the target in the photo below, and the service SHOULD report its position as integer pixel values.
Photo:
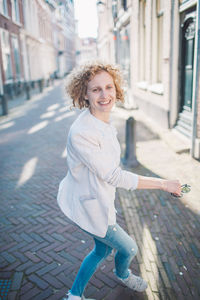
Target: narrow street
(41, 251)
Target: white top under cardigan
(86, 195)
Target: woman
(86, 195)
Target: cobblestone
(41, 251)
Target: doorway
(188, 28)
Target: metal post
(130, 159)
(4, 102)
(27, 90)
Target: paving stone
(25, 288)
(53, 281)
(96, 282)
(47, 269)
(38, 240)
(164, 277)
(44, 295)
(32, 256)
(26, 237)
(31, 294)
(152, 282)
(108, 281)
(195, 250)
(10, 258)
(12, 295)
(162, 201)
(17, 280)
(16, 237)
(34, 267)
(20, 256)
(9, 246)
(5, 275)
(12, 267)
(38, 281)
(36, 237)
(184, 289)
(44, 257)
(22, 267)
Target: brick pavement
(166, 228)
(41, 251)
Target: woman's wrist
(151, 183)
(163, 184)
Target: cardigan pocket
(93, 211)
(86, 198)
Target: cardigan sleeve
(91, 152)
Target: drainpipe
(171, 63)
(196, 82)
(114, 15)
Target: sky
(86, 14)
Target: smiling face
(101, 94)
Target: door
(188, 39)
(188, 28)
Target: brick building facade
(11, 21)
(157, 45)
(29, 49)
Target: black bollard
(27, 90)
(4, 102)
(130, 159)
(41, 85)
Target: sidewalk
(41, 252)
(166, 228)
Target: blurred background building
(36, 45)
(86, 50)
(157, 44)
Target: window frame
(15, 11)
(17, 67)
(6, 50)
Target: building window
(15, 11)
(6, 55)
(3, 7)
(142, 41)
(159, 16)
(124, 52)
(15, 46)
(124, 4)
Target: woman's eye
(109, 87)
(95, 90)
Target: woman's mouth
(105, 102)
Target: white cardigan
(86, 195)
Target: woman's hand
(172, 186)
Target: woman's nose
(103, 94)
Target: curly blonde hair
(77, 81)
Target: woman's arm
(171, 186)
(102, 163)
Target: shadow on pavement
(41, 251)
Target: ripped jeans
(116, 238)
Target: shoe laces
(135, 282)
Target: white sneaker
(135, 283)
(72, 297)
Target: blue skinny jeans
(116, 238)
